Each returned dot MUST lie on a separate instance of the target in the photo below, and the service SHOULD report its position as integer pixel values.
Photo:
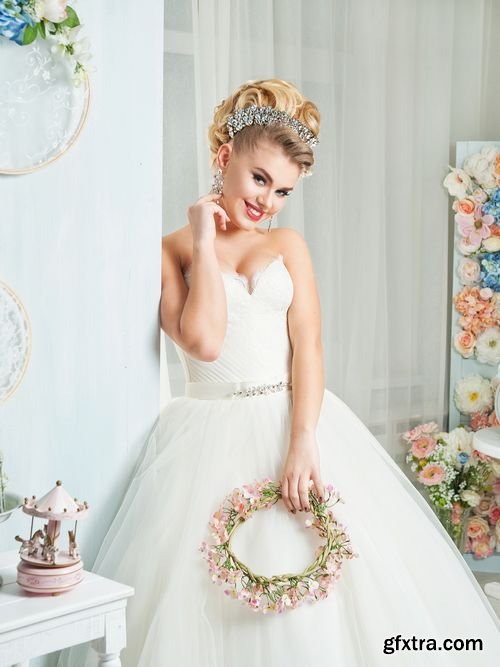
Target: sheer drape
(397, 82)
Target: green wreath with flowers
(282, 591)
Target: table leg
(114, 640)
(109, 660)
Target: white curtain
(397, 82)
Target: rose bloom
(477, 527)
(466, 246)
(484, 506)
(479, 196)
(465, 206)
(52, 10)
(464, 343)
(494, 514)
(483, 547)
(422, 447)
(469, 271)
(472, 498)
(493, 243)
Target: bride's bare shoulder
(290, 241)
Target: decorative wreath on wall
(282, 591)
(44, 83)
(15, 341)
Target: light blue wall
(80, 243)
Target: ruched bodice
(256, 346)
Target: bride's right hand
(203, 217)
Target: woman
(241, 305)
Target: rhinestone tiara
(255, 115)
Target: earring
(217, 183)
(270, 223)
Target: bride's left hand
(301, 466)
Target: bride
(241, 306)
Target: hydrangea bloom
(14, 18)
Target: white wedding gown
(408, 579)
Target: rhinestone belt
(256, 390)
(233, 389)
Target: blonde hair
(282, 96)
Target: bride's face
(256, 184)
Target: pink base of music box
(49, 580)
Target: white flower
(492, 244)
(460, 440)
(52, 10)
(471, 498)
(488, 346)
(495, 466)
(466, 247)
(469, 270)
(457, 183)
(472, 394)
(480, 167)
(489, 152)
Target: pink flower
(422, 447)
(464, 343)
(456, 514)
(485, 505)
(431, 474)
(422, 429)
(494, 514)
(474, 227)
(486, 293)
(464, 206)
(479, 420)
(482, 548)
(477, 528)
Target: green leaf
(30, 33)
(72, 19)
(41, 29)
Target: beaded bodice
(256, 346)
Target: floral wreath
(282, 591)
(22, 21)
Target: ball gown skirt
(408, 579)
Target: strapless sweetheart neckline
(241, 276)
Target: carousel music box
(44, 567)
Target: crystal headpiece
(254, 115)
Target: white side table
(33, 625)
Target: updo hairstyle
(280, 95)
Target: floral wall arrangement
(461, 483)
(23, 21)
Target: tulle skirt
(408, 579)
